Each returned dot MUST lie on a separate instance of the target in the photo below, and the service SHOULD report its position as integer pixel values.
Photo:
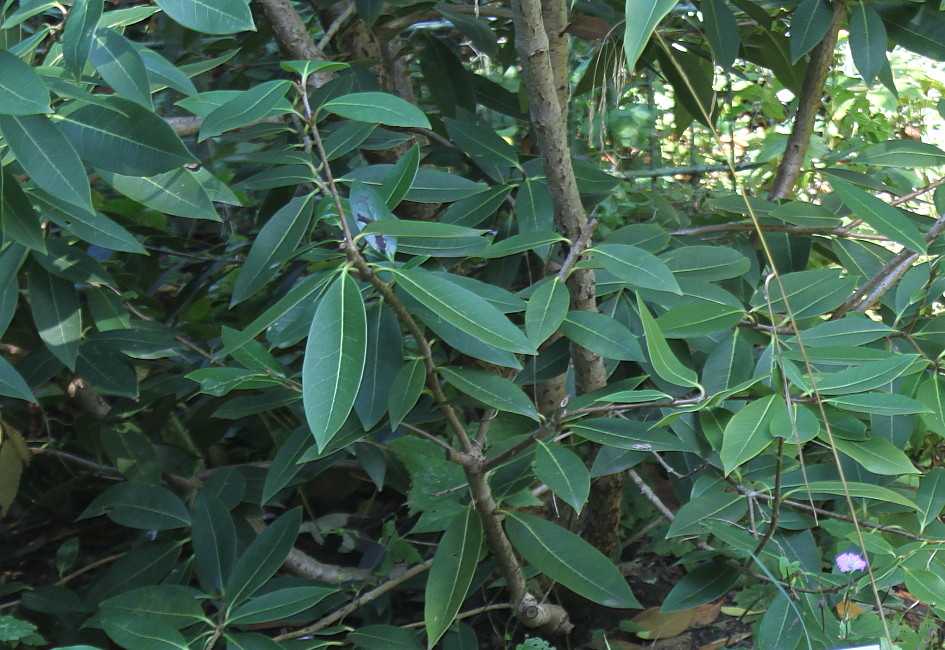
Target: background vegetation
(404, 324)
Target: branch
(841, 231)
(808, 105)
(689, 170)
(294, 38)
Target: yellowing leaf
(14, 456)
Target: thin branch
(578, 247)
(357, 603)
(689, 170)
(294, 38)
(841, 231)
(808, 105)
(336, 25)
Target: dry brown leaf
(706, 614)
(658, 625)
(590, 28)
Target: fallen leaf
(706, 614)
(659, 625)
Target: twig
(841, 231)
(467, 614)
(357, 603)
(335, 26)
(689, 170)
(578, 246)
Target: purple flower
(847, 562)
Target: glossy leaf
(378, 108)
(279, 604)
(869, 376)
(627, 434)
(464, 310)
(547, 309)
(809, 25)
(451, 575)
(884, 218)
(334, 359)
(781, 623)
(140, 505)
(133, 454)
(169, 604)
(664, 361)
(857, 490)
(564, 473)
(384, 637)
(566, 558)
(47, 156)
(22, 91)
(692, 517)
(385, 354)
(704, 584)
(930, 497)
(405, 391)
(429, 185)
(247, 107)
(12, 383)
(262, 558)
(210, 16)
(400, 177)
(56, 313)
(602, 335)
(901, 153)
(746, 434)
(879, 403)
(143, 633)
(877, 455)
(121, 66)
(273, 246)
(867, 41)
(125, 138)
(635, 266)
(213, 537)
(177, 192)
(705, 263)
(642, 17)
(845, 331)
(721, 30)
(77, 35)
(17, 217)
(492, 390)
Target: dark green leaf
(56, 313)
(642, 18)
(140, 505)
(121, 66)
(602, 335)
(564, 473)
(638, 268)
(132, 453)
(262, 558)
(48, 157)
(566, 558)
(143, 634)
(17, 217)
(286, 465)
(693, 516)
(384, 637)
(378, 108)
(704, 584)
(334, 359)
(22, 91)
(405, 391)
(930, 497)
(547, 309)
(633, 435)
(901, 153)
(879, 403)
(747, 434)
(400, 177)
(247, 107)
(876, 455)
(854, 489)
(277, 605)
(451, 574)
(176, 192)
(705, 263)
(429, 186)
(174, 606)
(867, 41)
(721, 30)
(12, 383)
(385, 354)
(77, 36)
(210, 16)
(664, 361)
(492, 390)
(92, 227)
(214, 541)
(809, 25)
(884, 218)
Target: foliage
(331, 323)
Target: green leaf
(107, 370)
(385, 355)
(148, 145)
(564, 473)
(520, 243)
(705, 263)
(334, 359)
(273, 246)
(213, 538)
(492, 390)
(879, 404)
(140, 505)
(642, 17)
(277, 605)
(633, 435)
(884, 218)
(378, 108)
(857, 490)
(146, 565)
(48, 157)
(692, 516)
(546, 310)
(930, 497)
(802, 213)
(464, 310)
(251, 641)
(400, 177)
(697, 319)
(210, 16)
(451, 574)
(809, 25)
(867, 41)
(603, 335)
(781, 623)
(143, 634)
(384, 637)
(845, 331)
(721, 31)
(22, 91)
(247, 107)
(704, 584)
(566, 558)
(638, 268)
(429, 186)
(664, 362)
(927, 586)
(77, 36)
(12, 383)
(262, 558)
(405, 391)
(747, 433)
(219, 381)
(176, 192)
(877, 455)
(172, 605)
(901, 153)
(56, 312)
(132, 453)
(869, 376)
(17, 218)
(808, 293)
(121, 66)
(418, 229)
(481, 143)
(286, 465)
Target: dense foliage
(347, 322)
